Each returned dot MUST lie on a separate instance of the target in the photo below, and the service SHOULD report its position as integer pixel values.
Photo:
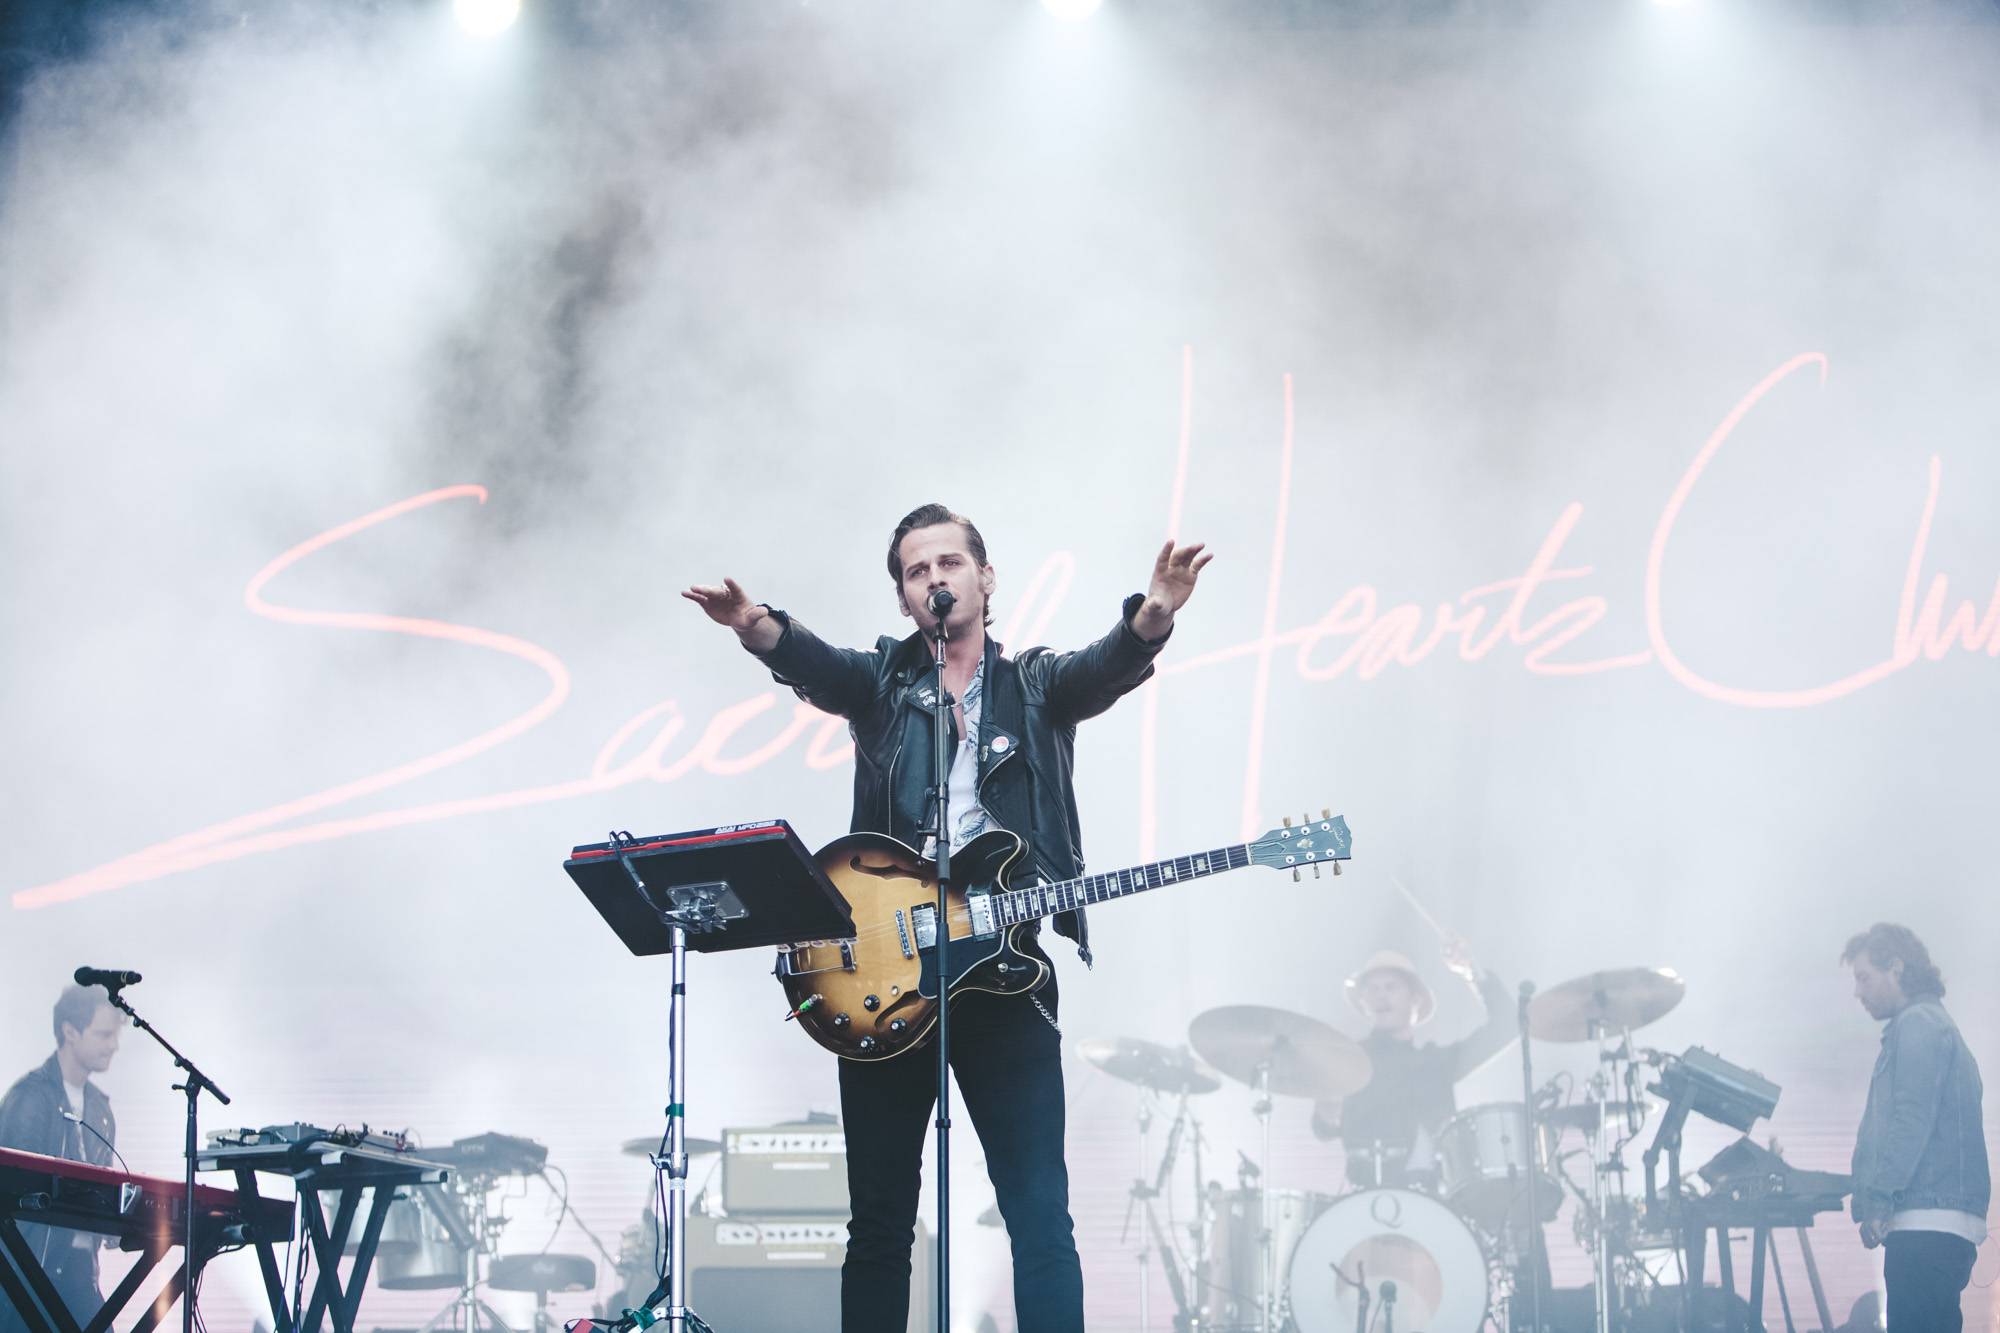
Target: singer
(57, 1111)
(1014, 728)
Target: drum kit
(1440, 1251)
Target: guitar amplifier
(774, 1170)
(784, 1273)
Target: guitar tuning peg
(1326, 812)
(1288, 821)
(1315, 870)
(1336, 867)
(1305, 819)
(1295, 874)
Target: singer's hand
(732, 608)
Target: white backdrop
(1403, 323)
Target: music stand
(742, 886)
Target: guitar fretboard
(1018, 905)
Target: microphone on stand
(940, 603)
(108, 978)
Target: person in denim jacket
(1921, 1185)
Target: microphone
(940, 603)
(106, 977)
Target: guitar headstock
(1312, 842)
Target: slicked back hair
(929, 516)
(78, 1006)
(1884, 943)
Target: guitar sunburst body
(875, 996)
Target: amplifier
(779, 1169)
(784, 1273)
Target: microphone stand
(1532, 1118)
(941, 802)
(193, 1081)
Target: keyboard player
(56, 1109)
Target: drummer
(1389, 1126)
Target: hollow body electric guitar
(875, 996)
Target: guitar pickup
(923, 917)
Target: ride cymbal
(1148, 1064)
(1580, 1009)
(1300, 1056)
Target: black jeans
(1007, 1061)
(74, 1274)
(1925, 1272)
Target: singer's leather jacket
(1027, 740)
(32, 1120)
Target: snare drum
(1427, 1250)
(1236, 1253)
(1485, 1159)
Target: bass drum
(1412, 1240)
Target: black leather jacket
(1027, 733)
(31, 1119)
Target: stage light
(1072, 11)
(486, 18)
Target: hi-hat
(646, 1147)
(1300, 1056)
(1148, 1064)
(1581, 1009)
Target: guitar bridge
(795, 960)
(903, 934)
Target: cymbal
(1303, 1056)
(1148, 1064)
(1608, 1001)
(646, 1147)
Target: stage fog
(1594, 423)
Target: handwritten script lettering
(1359, 635)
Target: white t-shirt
(1948, 1220)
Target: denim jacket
(1921, 1144)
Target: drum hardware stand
(467, 1308)
(1198, 1233)
(1600, 1271)
(1142, 1196)
(1141, 1192)
(1266, 1241)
